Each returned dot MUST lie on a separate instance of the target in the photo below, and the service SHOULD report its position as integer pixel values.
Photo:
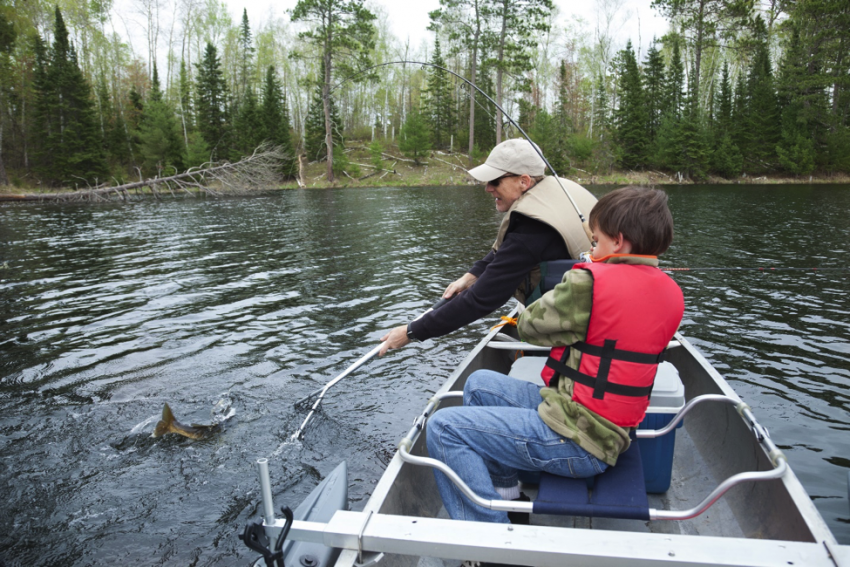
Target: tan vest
(547, 203)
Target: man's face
(507, 189)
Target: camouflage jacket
(560, 318)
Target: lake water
(108, 311)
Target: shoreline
(438, 171)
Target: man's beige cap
(511, 156)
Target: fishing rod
(299, 434)
(513, 122)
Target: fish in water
(195, 431)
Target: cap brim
(485, 172)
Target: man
(541, 224)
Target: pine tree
(160, 141)
(674, 99)
(72, 149)
(314, 127)
(414, 138)
(246, 54)
(438, 102)
(486, 113)
(631, 116)
(210, 103)
(726, 158)
(762, 117)
(562, 135)
(276, 124)
(655, 100)
(247, 127)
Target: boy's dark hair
(641, 214)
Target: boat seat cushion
(619, 492)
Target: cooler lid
(668, 393)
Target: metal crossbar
(776, 456)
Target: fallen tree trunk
(257, 171)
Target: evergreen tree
(561, 145)
(761, 131)
(72, 149)
(210, 103)
(486, 114)
(160, 141)
(314, 127)
(246, 54)
(276, 124)
(674, 99)
(631, 116)
(804, 110)
(655, 100)
(726, 158)
(439, 102)
(414, 138)
(247, 127)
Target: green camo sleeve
(560, 317)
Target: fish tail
(166, 424)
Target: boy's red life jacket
(636, 310)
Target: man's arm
(527, 243)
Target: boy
(609, 321)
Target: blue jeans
(496, 433)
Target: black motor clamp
(255, 538)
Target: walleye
(194, 431)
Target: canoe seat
(619, 492)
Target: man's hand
(396, 338)
(459, 285)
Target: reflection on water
(109, 311)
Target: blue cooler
(668, 397)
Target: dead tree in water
(257, 171)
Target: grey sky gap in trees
(343, 33)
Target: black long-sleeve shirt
(527, 242)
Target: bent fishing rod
(513, 122)
(299, 434)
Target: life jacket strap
(606, 354)
(617, 354)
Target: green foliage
(654, 79)
(159, 135)
(315, 145)
(761, 121)
(71, 147)
(631, 116)
(247, 127)
(414, 139)
(376, 149)
(210, 98)
(275, 124)
(438, 102)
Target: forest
(735, 88)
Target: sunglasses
(495, 183)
